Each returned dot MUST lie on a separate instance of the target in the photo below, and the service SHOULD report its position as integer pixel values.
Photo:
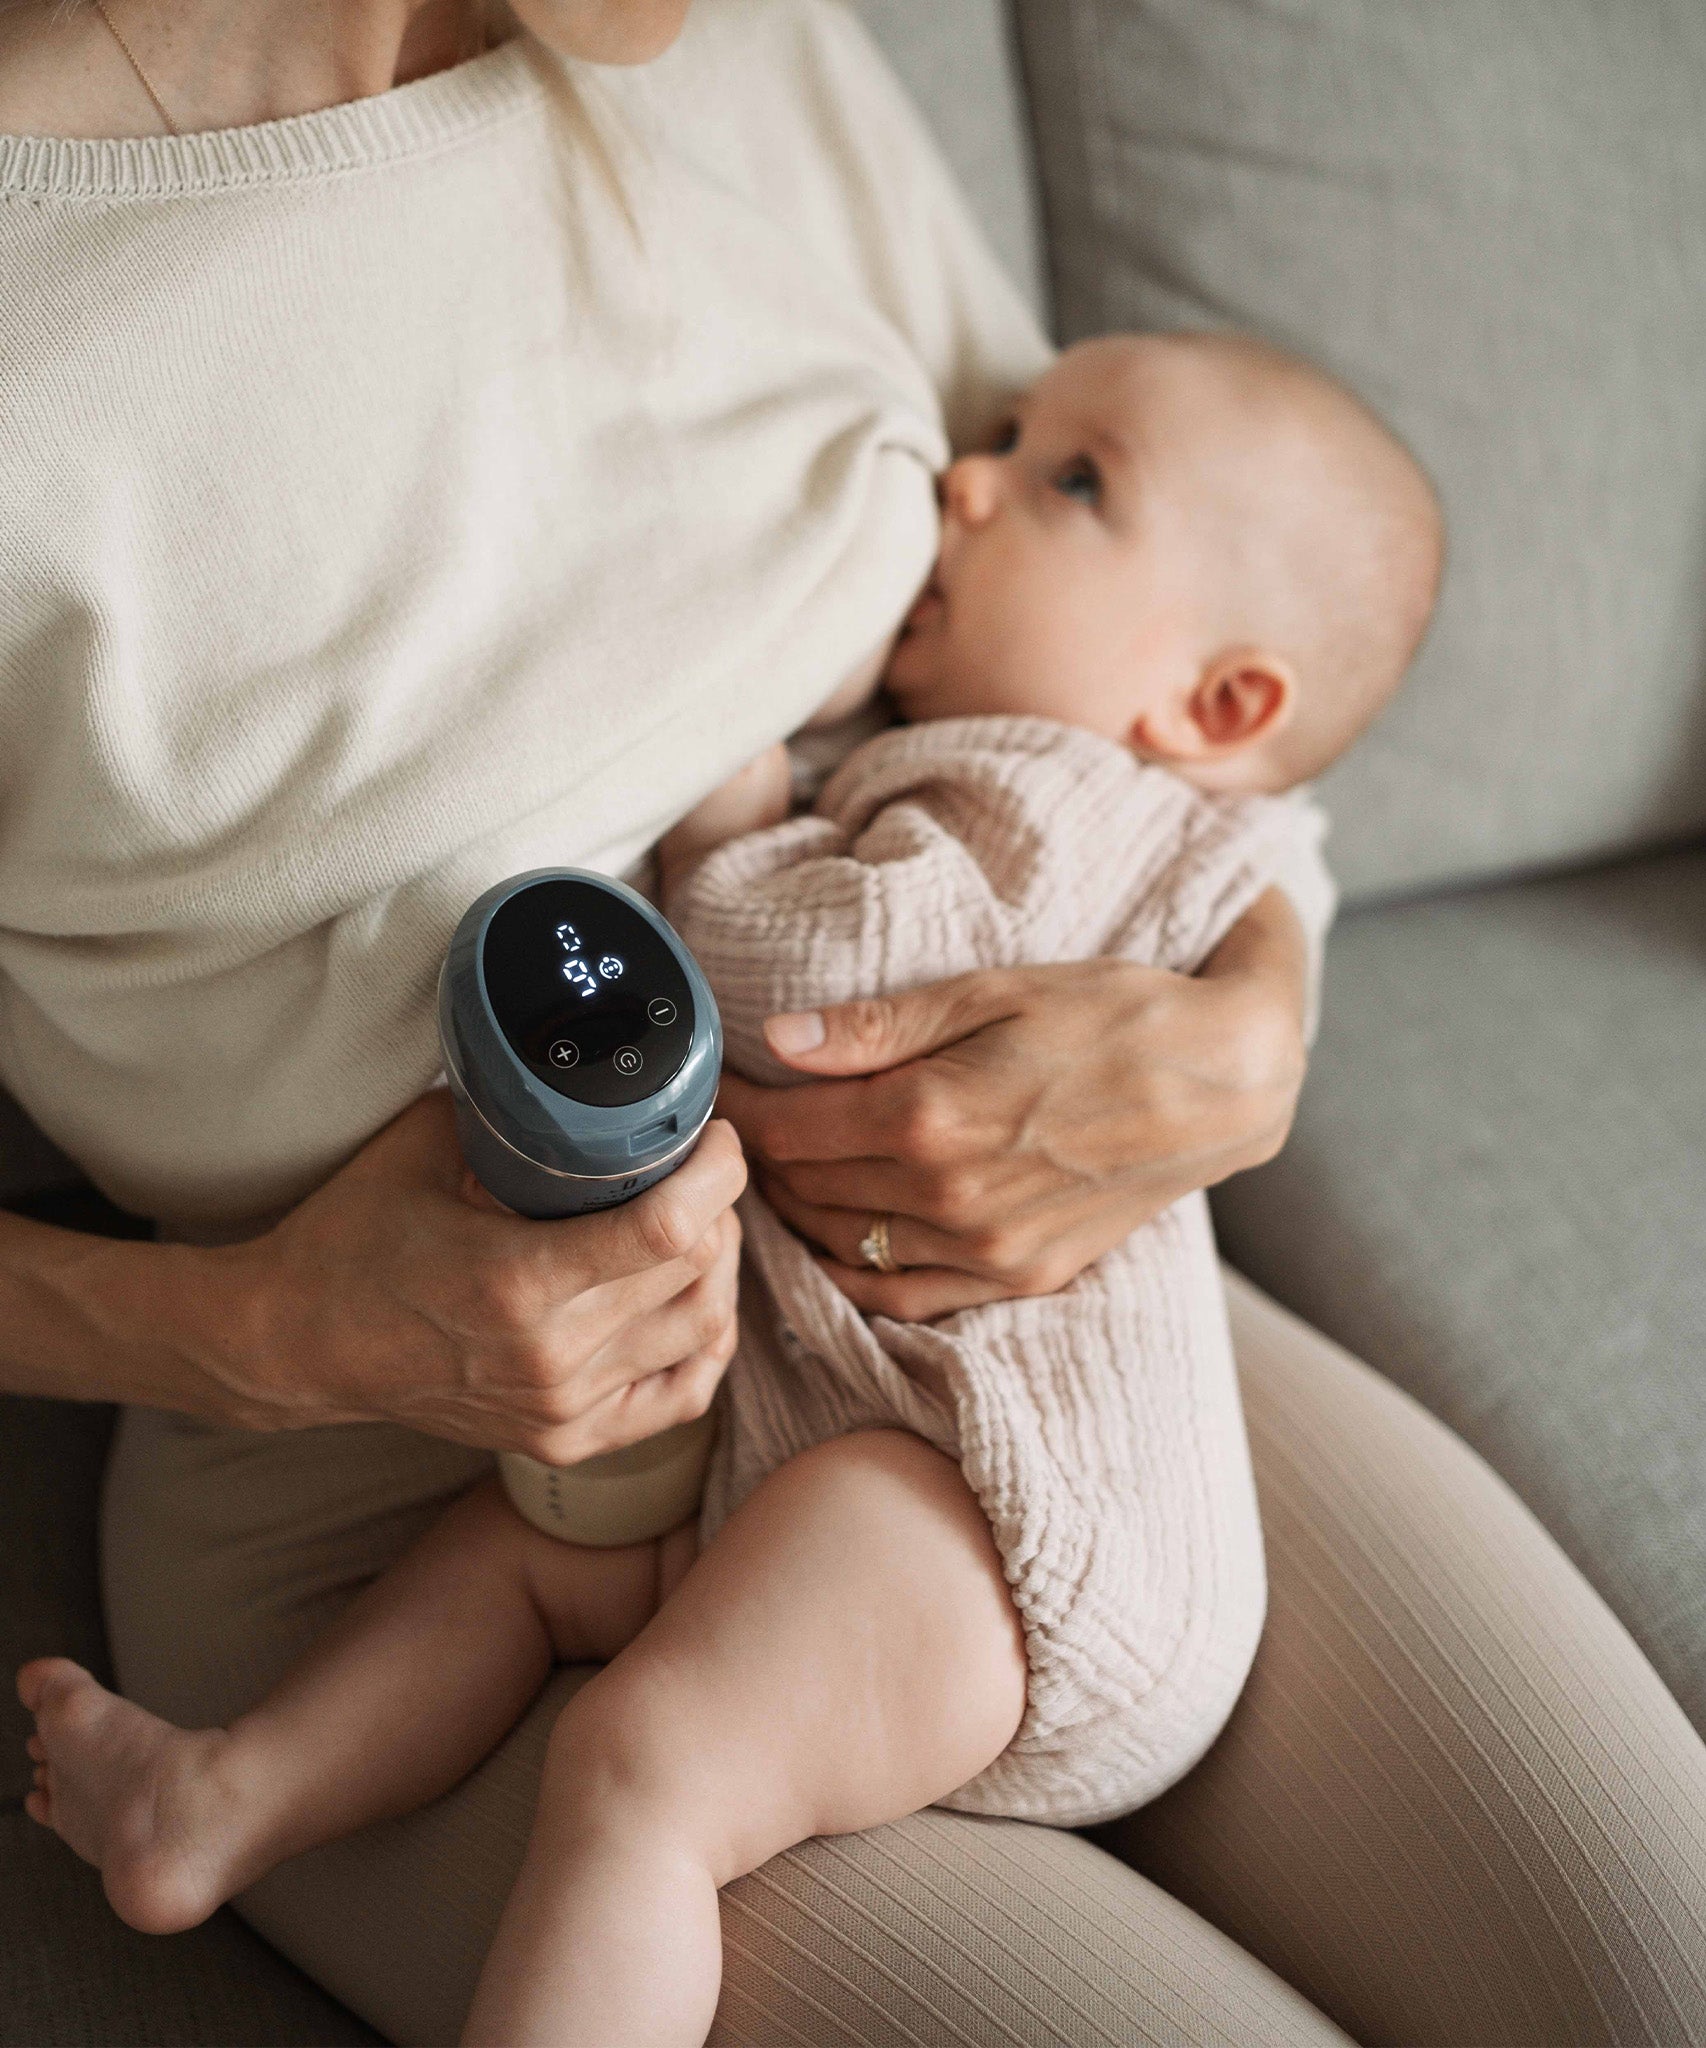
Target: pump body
(583, 1049)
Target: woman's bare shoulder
(61, 73)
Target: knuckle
(1271, 1045)
(928, 1125)
(710, 1318)
(904, 1301)
(867, 1024)
(771, 1136)
(552, 1446)
(1267, 1145)
(703, 1256)
(722, 1149)
(1001, 1248)
(532, 1366)
(553, 1407)
(1273, 1140)
(1047, 1273)
(915, 1302)
(668, 1229)
(513, 1294)
(495, 1295)
(955, 1196)
(697, 1394)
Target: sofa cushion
(72, 1975)
(1496, 1193)
(1489, 217)
(70, 1971)
(51, 1454)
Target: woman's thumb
(876, 1032)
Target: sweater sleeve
(928, 263)
(845, 155)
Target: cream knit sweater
(451, 483)
(1099, 1427)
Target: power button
(627, 1060)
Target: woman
(417, 485)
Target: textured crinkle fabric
(1099, 1427)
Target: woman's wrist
(86, 1318)
(1263, 964)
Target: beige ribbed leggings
(1455, 1805)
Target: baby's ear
(1243, 697)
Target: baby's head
(1191, 544)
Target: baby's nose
(970, 488)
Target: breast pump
(583, 1048)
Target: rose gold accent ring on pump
(874, 1246)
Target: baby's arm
(754, 796)
(761, 793)
(883, 887)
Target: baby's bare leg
(843, 1653)
(418, 1680)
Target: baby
(1008, 1561)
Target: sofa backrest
(1489, 218)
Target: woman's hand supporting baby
(1016, 1124)
(400, 1292)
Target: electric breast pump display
(583, 1049)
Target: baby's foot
(131, 1793)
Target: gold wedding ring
(874, 1246)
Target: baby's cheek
(913, 675)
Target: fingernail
(799, 1031)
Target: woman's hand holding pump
(1015, 1124)
(401, 1292)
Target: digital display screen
(588, 994)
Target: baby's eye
(1080, 479)
(1006, 438)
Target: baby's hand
(759, 795)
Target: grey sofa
(1490, 216)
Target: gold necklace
(476, 26)
(141, 75)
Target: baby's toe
(35, 1750)
(44, 1678)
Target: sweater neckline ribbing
(358, 135)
